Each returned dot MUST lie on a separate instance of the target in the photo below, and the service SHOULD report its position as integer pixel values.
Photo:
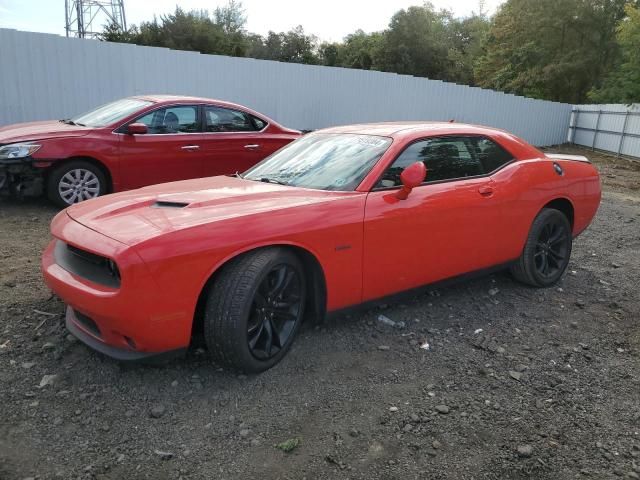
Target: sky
(329, 20)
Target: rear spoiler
(562, 156)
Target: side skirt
(397, 297)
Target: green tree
(549, 49)
(622, 85)
(293, 46)
(417, 42)
(467, 36)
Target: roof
(395, 129)
(173, 98)
(188, 99)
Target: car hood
(138, 215)
(25, 132)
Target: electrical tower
(87, 18)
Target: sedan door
(446, 227)
(234, 141)
(170, 150)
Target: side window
(448, 158)
(182, 119)
(259, 123)
(491, 155)
(218, 119)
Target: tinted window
(260, 124)
(491, 155)
(218, 119)
(448, 158)
(182, 119)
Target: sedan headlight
(18, 150)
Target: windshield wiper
(68, 121)
(238, 175)
(273, 180)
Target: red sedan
(132, 143)
(340, 217)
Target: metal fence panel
(611, 127)
(47, 76)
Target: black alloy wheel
(551, 249)
(275, 311)
(254, 309)
(547, 250)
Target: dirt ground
(517, 383)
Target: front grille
(87, 323)
(96, 268)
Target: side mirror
(137, 129)
(411, 177)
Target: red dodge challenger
(132, 143)
(340, 217)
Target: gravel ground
(517, 382)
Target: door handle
(253, 146)
(485, 191)
(191, 147)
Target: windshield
(110, 113)
(324, 161)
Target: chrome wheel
(78, 185)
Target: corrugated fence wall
(46, 76)
(614, 128)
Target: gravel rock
(48, 380)
(515, 375)
(157, 411)
(164, 455)
(525, 451)
(444, 409)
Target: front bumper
(21, 176)
(133, 321)
(74, 326)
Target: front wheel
(74, 182)
(254, 309)
(546, 253)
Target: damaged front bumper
(21, 177)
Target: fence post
(595, 132)
(624, 129)
(575, 125)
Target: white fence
(613, 128)
(46, 76)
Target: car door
(233, 141)
(446, 227)
(170, 150)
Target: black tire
(91, 183)
(243, 310)
(546, 253)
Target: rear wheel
(74, 182)
(546, 253)
(254, 309)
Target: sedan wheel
(546, 253)
(75, 182)
(254, 309)
(78, 185)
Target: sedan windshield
(324, 161)
(110, 113)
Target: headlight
(18, 150)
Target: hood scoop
(167, 204)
